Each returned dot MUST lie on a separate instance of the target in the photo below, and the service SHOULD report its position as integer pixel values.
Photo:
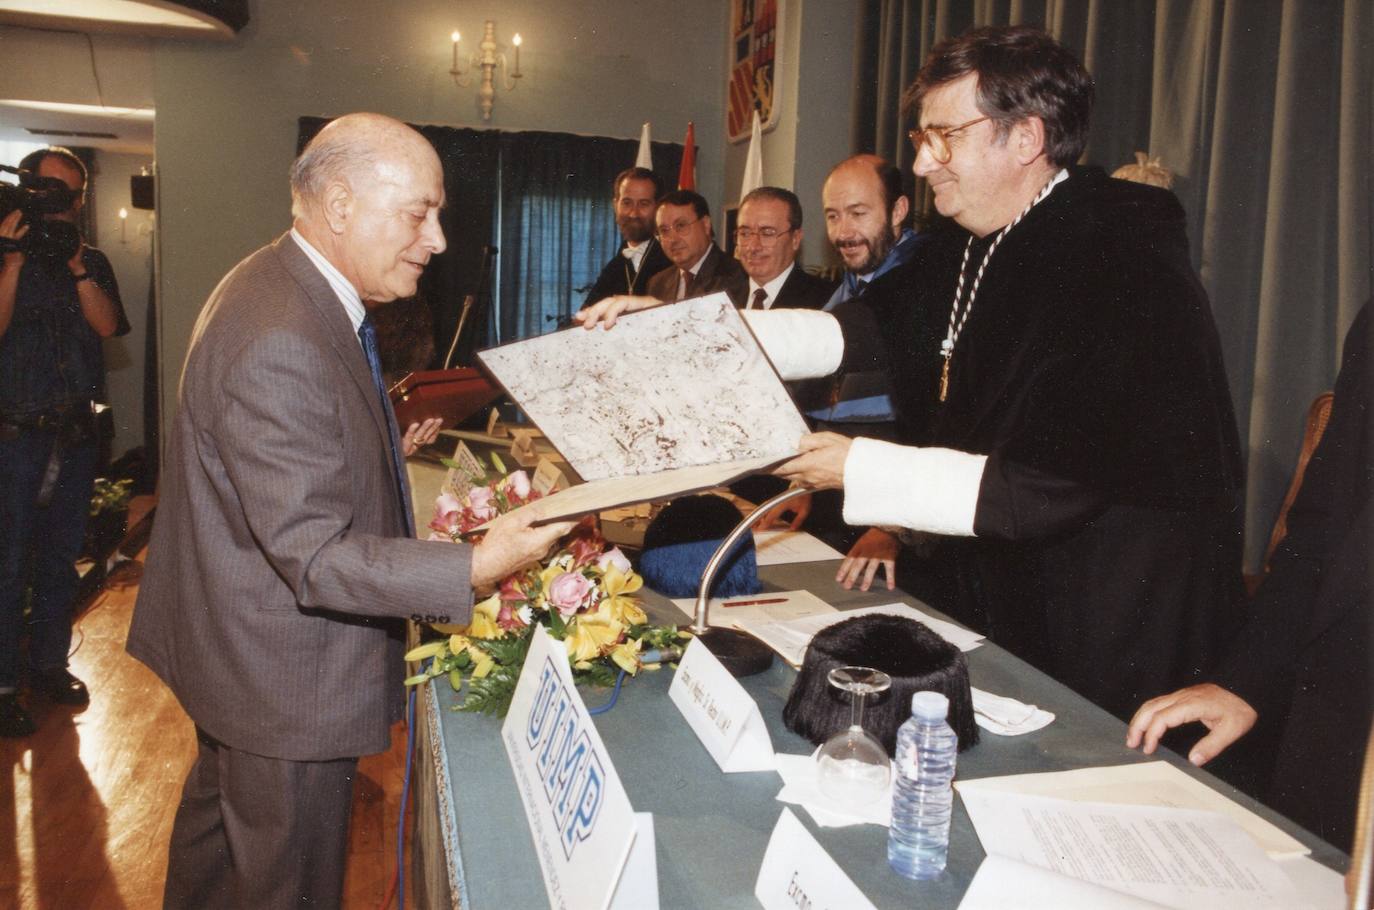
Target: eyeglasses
(765, 235)
(937, 137)
(679, 227)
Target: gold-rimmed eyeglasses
(937, 137)
(677, 227)
(764, 234)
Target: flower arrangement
(584, 595)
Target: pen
(754, 603)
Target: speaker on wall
(141, 191)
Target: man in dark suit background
(635, 198)
(768, 236)
(699, 267)
(282, 559)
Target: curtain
(1265, 113)
(557, 223)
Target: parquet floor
(86, 804)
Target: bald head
(366, 193)
(349, 149)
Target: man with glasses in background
(768, 236)
(699, 267)
(635, 199)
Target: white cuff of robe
(802, 344)
(924, 489)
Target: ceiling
(117, 129)
(214, 19)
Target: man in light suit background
(282, 559)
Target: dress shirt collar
(771, 288)
(343, 288)
(635, 252)
(696, 269)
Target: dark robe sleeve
(1335, 491)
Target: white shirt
(343, 288)
(635, 252)
(771, 288)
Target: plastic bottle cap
(930, 705)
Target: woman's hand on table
(876, 549)
(1225, 714)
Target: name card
(579, 815)
(467, 472)
(722, 715)
(547, 478)
(797, 873)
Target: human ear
(337, 205)
(1028, 139)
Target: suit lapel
(337, 327)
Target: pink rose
(448, 512)
(482, 503)
(518, 485)
(570, 592)
(613, 558)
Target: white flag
(645, 158)
(753, 162)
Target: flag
(687, 174)
(645, 158)
(753, 161)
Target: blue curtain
(556, 224)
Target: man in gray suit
(282, 560)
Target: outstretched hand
(820, 462)
(876, 549)
(604, 312)
(420, 434)
(1226, 715)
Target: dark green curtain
(557, 224)
(1265, 112)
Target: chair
(1317, 416)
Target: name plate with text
(579, 814)
(723, 716)
(797, 872)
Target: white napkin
(798, 773)
(1007, 716)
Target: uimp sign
(579, 815)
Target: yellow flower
(484, 615)
(482, 661)
(428, 649)
(587, 641)
(619, 601)
(626, 655)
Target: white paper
(638, 885)
(1320, 887)
(1005, 884)
(1174, 857)
(1153, 783)
(579, 815)
(766, 606)
(724, 717)
(790, 638)
(1006, 716)
(797, 872)
(800, 777)
(778, 547)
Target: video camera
(36, 197)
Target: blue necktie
(367, 334)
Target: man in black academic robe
(1302, 661)
(1081, 451)
(640, 257)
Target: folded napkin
(1007, 716)
(800, 787)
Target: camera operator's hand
(11, 229)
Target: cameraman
(58, 299)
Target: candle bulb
(123, 224)
(516, 42)
(455, 37)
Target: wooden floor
(86, 804)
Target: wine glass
(853, 767)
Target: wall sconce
(488, 59)
(123, 225)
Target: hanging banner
(754, 30)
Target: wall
(226, 114)
(815, 84)
(130, 252)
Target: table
(474, 849)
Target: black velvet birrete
(916, 658)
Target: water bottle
(922, 798)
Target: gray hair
(332, 155)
